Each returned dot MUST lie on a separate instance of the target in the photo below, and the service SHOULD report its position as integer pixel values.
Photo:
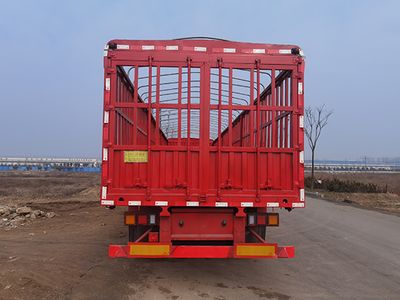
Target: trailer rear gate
(202, 123)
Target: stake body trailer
(202, 143)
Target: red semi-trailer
(203, 144)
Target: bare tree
(316, 120)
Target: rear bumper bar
(164, 250)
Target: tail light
(272, 219)
(130, 219)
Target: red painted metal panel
(122, 251)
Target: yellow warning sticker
(135, 157)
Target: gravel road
(343, 252)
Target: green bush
(341, 186)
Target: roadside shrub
(344, 186)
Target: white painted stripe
(123, 47)
(107, 202)
(200, 49)
(246, 204)
(301, 157)
(229, 50)
(105, 154)
(192, 203)
(104, 192)
(106, 117)
(301, 53)
(302, 195)
(300, 88)
(161, 203)
(272, 204)
(148, 47)
(107, 85)
(258, 51)
(301, 121)
(296, 204)
(172, 48)
(105, 53)
(221, 204)
(134, 203)
(285, 51)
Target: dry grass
(388, 202)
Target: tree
(316, 120)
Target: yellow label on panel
(135, 156)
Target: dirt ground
(65, 257)
(386, 202)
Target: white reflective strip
(258, 50)
(105, 154)
(148, 47)
(106, 47)
(300, 88)
(171, 48)
(192, 203)
(161, 203)
(123, 47)
(107, 202)
(221, 204)
(246, 204)
(302, 195)
(134, 203)
(106, 117)
(273, 204)
(301, 121)
(301, 157)
(104, 192)
(229, 50)
(285, 51)
(108, 84)
(301, 53)
(200, 49)
(105, 53)
(297, 204)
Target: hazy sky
(51, 77)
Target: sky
(51, 78)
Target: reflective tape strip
(122, 47)
(134, 203)
(150, 250)
(105, 154)
(106, 117)
(171, 48)
(229, 50)
(302, 195)
(300, 88)
(246, 204)
(161, 203)
(296, 204)
(148, 47)
(107, 202)
(104, 192)
(200, 49)
(105, 53)
(301, 157)
(192, 203)
(255, 250)
(273, 204)
(258, 51)
(301, 121)
(221, 204)
(285, 51)
(107, 85)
